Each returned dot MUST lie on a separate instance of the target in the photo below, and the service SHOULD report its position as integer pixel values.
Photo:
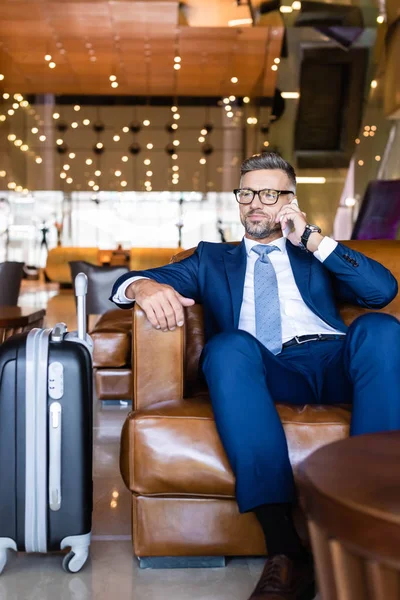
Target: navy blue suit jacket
(214, 277)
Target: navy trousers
(245, 380)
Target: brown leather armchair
(172, 460)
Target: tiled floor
(112, 573)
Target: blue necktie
(266, 298)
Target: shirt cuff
(325, 248)
(120, 296)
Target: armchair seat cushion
(112, 336)
(173, 447)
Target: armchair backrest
(10, 282)
(386, 252)
(100, 282)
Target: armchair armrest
(157, 362)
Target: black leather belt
(317, 337)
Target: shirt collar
(280, 243)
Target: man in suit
(274, 334)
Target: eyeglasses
(246, 195)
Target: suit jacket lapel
(235, 264)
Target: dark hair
(268, 160)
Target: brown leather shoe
(285, 579)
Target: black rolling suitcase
(46, 440)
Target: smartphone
(288, 229)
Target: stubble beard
(263, 229)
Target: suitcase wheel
(73, 562)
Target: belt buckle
(315, 339)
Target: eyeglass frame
(279, 192)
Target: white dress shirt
(296, 317)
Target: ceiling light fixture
(52, 65)
(238, 22)
(317, 180)
(234, 80)
(290, 95)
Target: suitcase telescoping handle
(81, 283)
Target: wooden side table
(350, 491)
(16, 319)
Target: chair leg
(181, 562)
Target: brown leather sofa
(172, 461)
(112, 335)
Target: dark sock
(279, 530)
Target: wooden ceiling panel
(24, 29)
(20, 11)
(82, 11)
(137, 41)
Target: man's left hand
(291, 215)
